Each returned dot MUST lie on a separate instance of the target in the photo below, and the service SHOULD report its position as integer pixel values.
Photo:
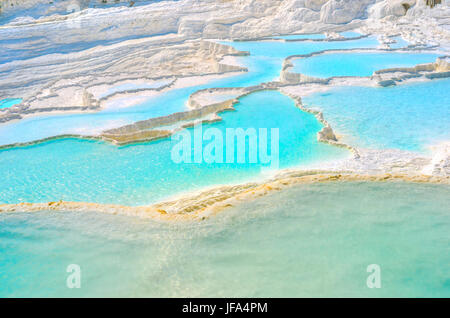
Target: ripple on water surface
(310, 240)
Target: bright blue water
(408, 117)
(357, 64)
(264, 65)
(76, 170)
(307, 241)
(281, 49)
(33, 128)
(8, 102)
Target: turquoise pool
(357, 64)
(409, 117)
(281, 49)
(264, 65)
(308, 241)
(8, 102)
(311, 240)
(76, 170)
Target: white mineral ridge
(196, 18)
(106, 44)
(344, 11)
(393, 7)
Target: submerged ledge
(207, 203)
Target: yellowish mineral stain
(207, 203)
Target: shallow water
(312, 240)
(9, 102)
(408, 117)
(33, 128)
(141, 174)
(308, 241)
(358, 64)
(281, 49)
(76, 170)
(264, 65)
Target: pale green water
(357, 64)
(308, 241)
(408, 117)
(77, 170)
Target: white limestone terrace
(97, 57)
(385, 77)
(53, 59)
(206, 104)
(73, 59)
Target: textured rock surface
(344, 11)
(396, 8)
(207, 203)
(85, 48)
(65, 56)
(420, 24)
(78, 77)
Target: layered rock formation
(60, 82)
(69, 55)
(38, 8)
(57, 60)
